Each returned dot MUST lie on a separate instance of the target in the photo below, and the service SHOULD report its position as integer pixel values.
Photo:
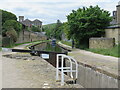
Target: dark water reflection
(49, 47)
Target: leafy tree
(65, 28)
(87, 22)
(35, 29)
(7, 16)
(58, 31)
(12, 24)
(49, 29)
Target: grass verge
(110, 52)
(115, 51)
(67, 43)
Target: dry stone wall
(101, 42)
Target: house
(113, 31)
(30, 23)
(116, 15)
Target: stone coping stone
(101, 38)
(100, 70)
(113, 27)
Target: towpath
(107, 63)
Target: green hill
(49, 26)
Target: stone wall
(26, 36)
(101, 42)
(113, 32)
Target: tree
(66, 29)
(7, 16)
(11, 24)
(35, 29)
(87, 22)
(58, 31)
(49, 29)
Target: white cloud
(51, 9)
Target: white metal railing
(66, 69)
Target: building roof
(36, 20)
(113, 27)
(28, 20)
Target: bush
(7, 42)
(12, 34)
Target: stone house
(30, 23)
(116, 15)
(113, 31)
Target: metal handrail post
(62, 73)
(66, 69)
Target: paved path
(107, 63)
(20, 70)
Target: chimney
(118, 13)
(21, 18)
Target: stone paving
(24, 71)
(20, 70)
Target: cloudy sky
(48, 11)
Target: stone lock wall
(113, 33)
(101, 42)
(91, 77)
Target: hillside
(49, 26)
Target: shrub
(12, 34)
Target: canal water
(49, 47)
(53, 47)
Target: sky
(49, 11)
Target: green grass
(110, 52)
(49, 26)
(67, 43)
